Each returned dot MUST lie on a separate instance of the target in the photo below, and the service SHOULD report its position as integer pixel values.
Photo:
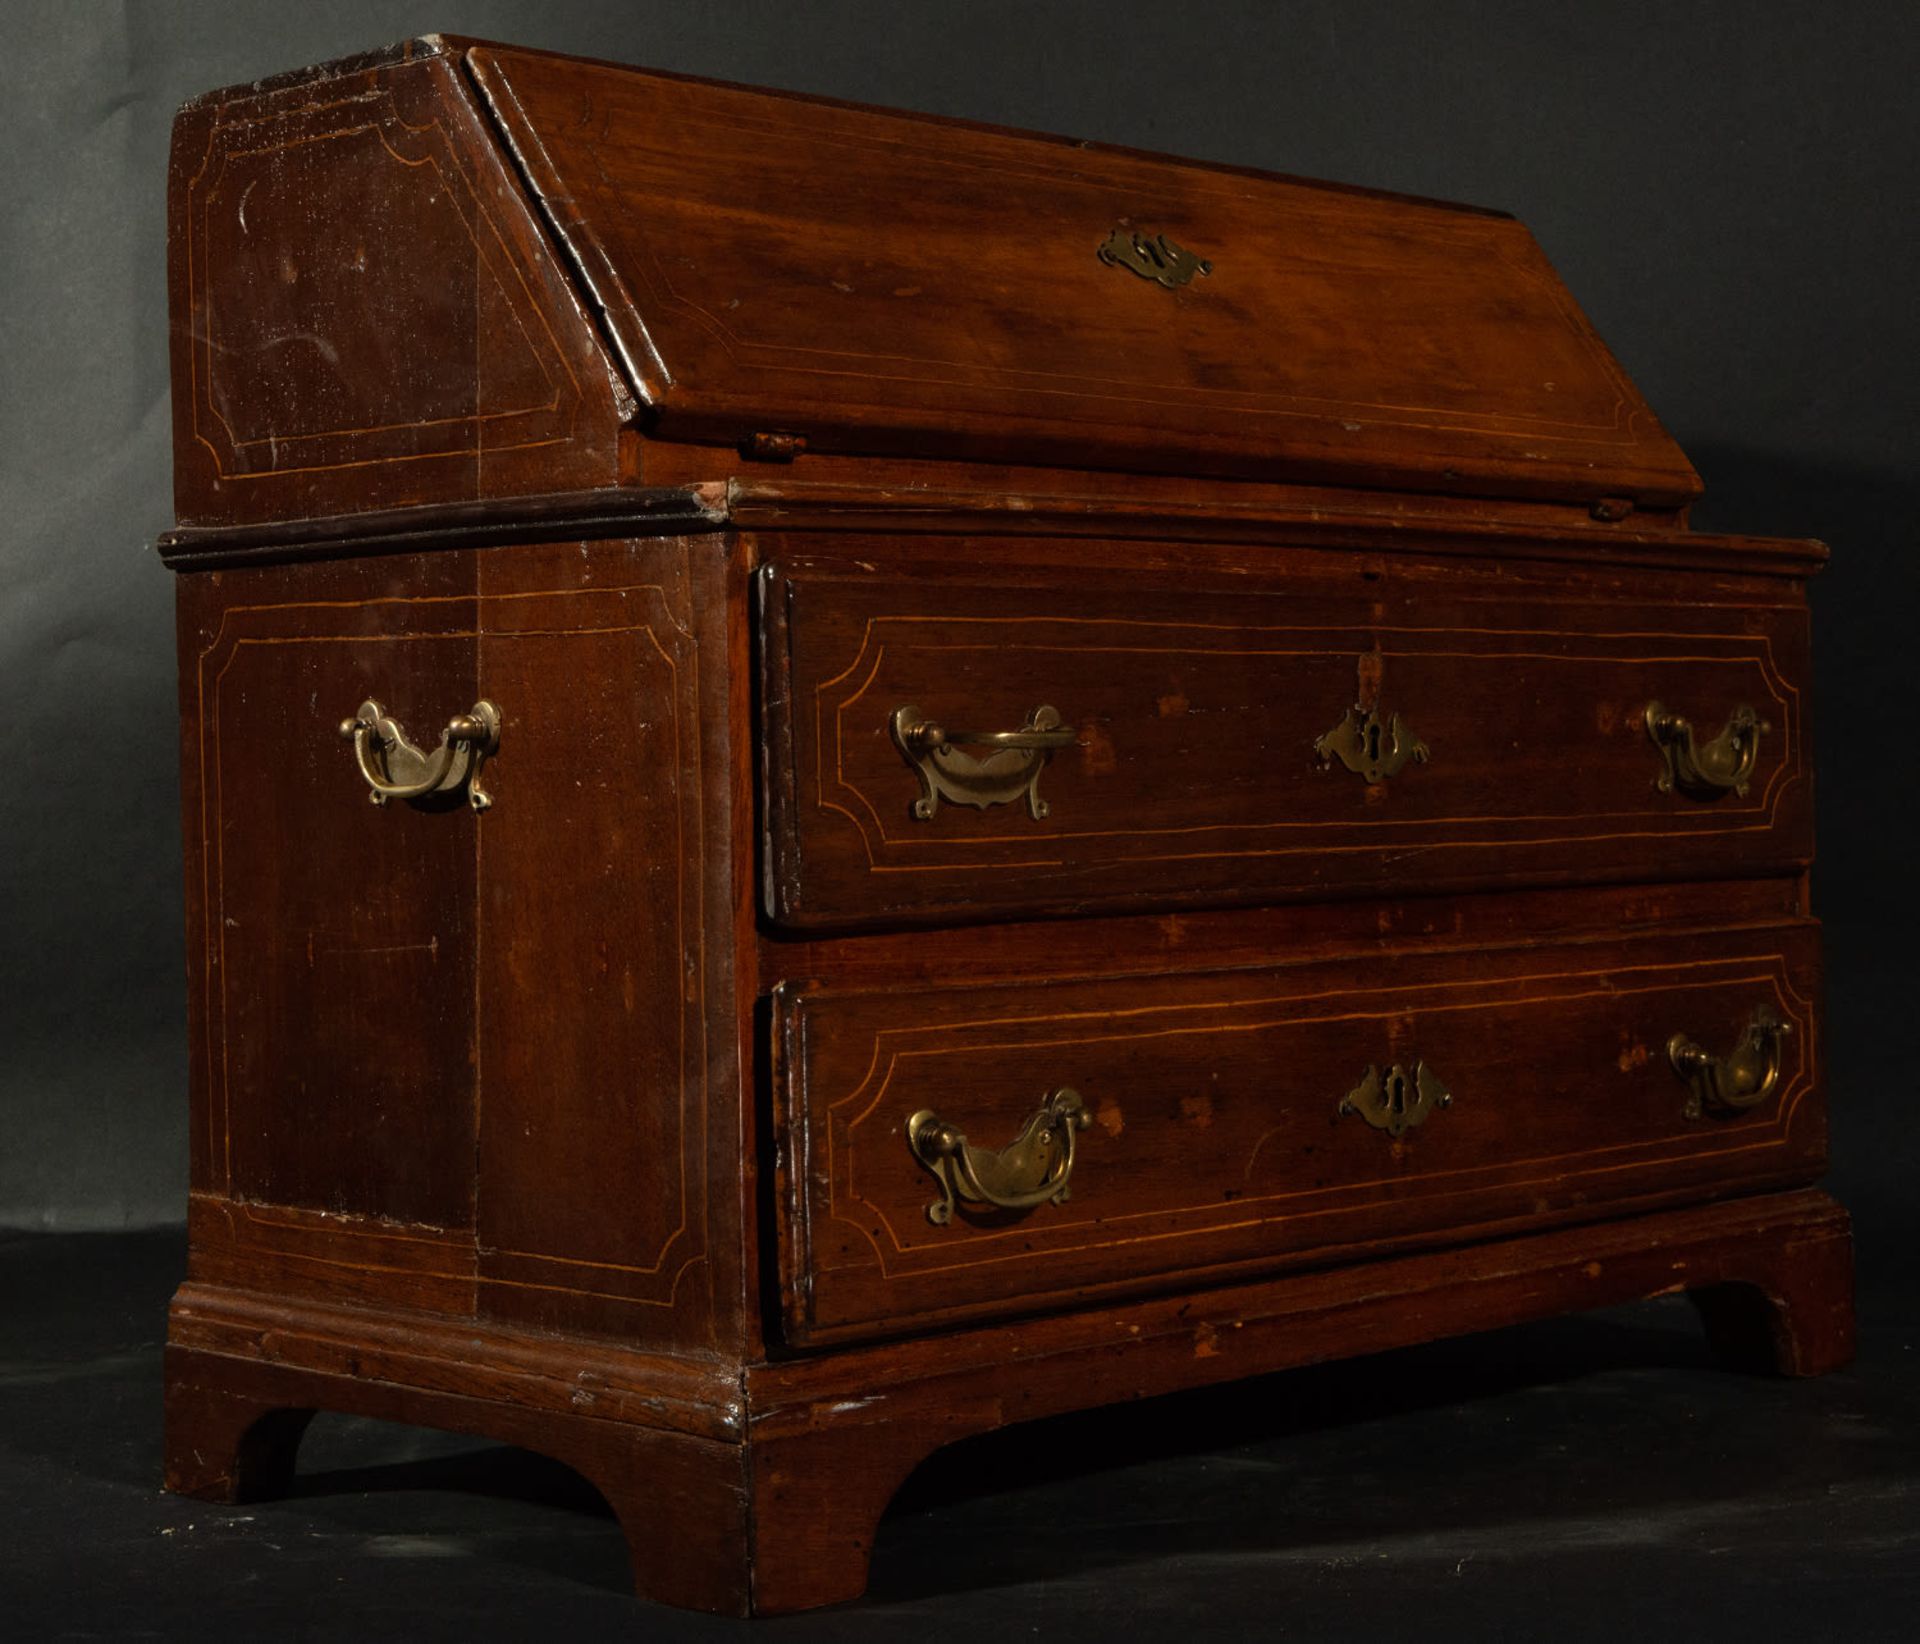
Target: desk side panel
(365, 312)
(481, 1062)
(331, 942)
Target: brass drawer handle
(1706, 770)
(396, 769)
(1012, 769)
(1395, 1100)
(1742, 1079)
(1033, 1169)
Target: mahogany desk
(850, 778)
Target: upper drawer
(1306, 736)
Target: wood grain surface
(880, 283)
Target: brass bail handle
(927, 736)
(1007, 770)
(1706, 770)
(395, 769)
(1744, 1078)
(1031, 1170)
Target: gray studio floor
(1591, 1478)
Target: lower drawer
(956, 1152)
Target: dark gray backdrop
(1729, 188)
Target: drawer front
(1244, 1119)
(1318, 736)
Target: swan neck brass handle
(1706, 770)
(1744, 1078)
(1009, 770)
(395, 769)
(1031, 1170)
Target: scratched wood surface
(364, 309)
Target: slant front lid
(880, 282)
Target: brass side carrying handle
(1744, 1078)
(1706, 770)
(395, 769)
(1011, 770)
(1033, 1169)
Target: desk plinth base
(756, 1488)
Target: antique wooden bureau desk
(850, 778)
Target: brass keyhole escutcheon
(1396, 1099)
(1372, 748)
(1153, 257)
